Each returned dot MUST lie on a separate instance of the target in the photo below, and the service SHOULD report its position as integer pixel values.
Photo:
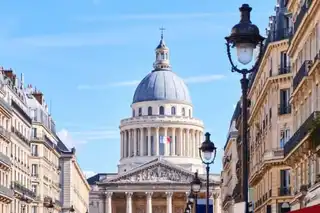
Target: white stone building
(159, 149)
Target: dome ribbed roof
(162, 85)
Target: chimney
(38, 95)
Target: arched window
(149, 110)
(173, 110)
(133, 113)
(190, 115)
(140, 111)
(161, 110)
(183, 111)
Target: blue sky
(86, 56)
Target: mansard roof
(157, 171)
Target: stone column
(216, 202)
(129, 202)
(149, 141)
(149, 202)
(157, 145)
(173, 143)
(187, 143)
(166, 148)
(135, 142)
(129, 143)
(108, 208)
(169, 202)
(121, 145)
(141, 142)
(180, 146)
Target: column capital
(129, 194)
(108, 194)
(149, 194)
(169, 194)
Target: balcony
(302, 13)
(20, 189)
(5, 162)
(6, 194)
(273, 154)
(284, 109)
(20, 136)
(284, 70)
(301, 133)
(278, 35)
(47, 142)
(284, 191)
(227, 199)
(4, 133)
(5, 105)
(303, 71)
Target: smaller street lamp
(207, 152)
(196, 184)
(71, 209)
(195, 189)
(187, 209)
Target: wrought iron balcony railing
(302, 13)
(6, 192)
(303, 71)
(303, 130)
(284, 191)
(284, 69)
(284, 109)
(23, 190)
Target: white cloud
(189, 80)
(67, 139)
(89, 174)
(154, 16)
(75, 138)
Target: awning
(310, 209)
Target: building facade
(6, 194)
(44, 158)
(230, 165)
(159, 149)
(302, 149)
(270, 120)
(75, 188)
(32, 155)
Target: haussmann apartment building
(38, 173)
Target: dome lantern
(162, 61)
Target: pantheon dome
(162, 122)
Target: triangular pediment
(157, 170)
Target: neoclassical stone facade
(158, 150)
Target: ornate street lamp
(187, 209)
(245, 37)
(195, 189)
(48, 204)
(207, 153)
(71, 209)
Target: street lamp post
(195, 189)
(245, 37)
(207, 153)
(71, 209)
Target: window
(34, 150)
(149, 110)
(190, 115)
(34, 171)
(34, 188)
(140, 111)
(284, 101)
(133, 113)
(34, 209)
(173, 110)
(161, 110)
(183, 111)
(34, 132)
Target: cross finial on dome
(162, 29)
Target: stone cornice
(264, 59)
